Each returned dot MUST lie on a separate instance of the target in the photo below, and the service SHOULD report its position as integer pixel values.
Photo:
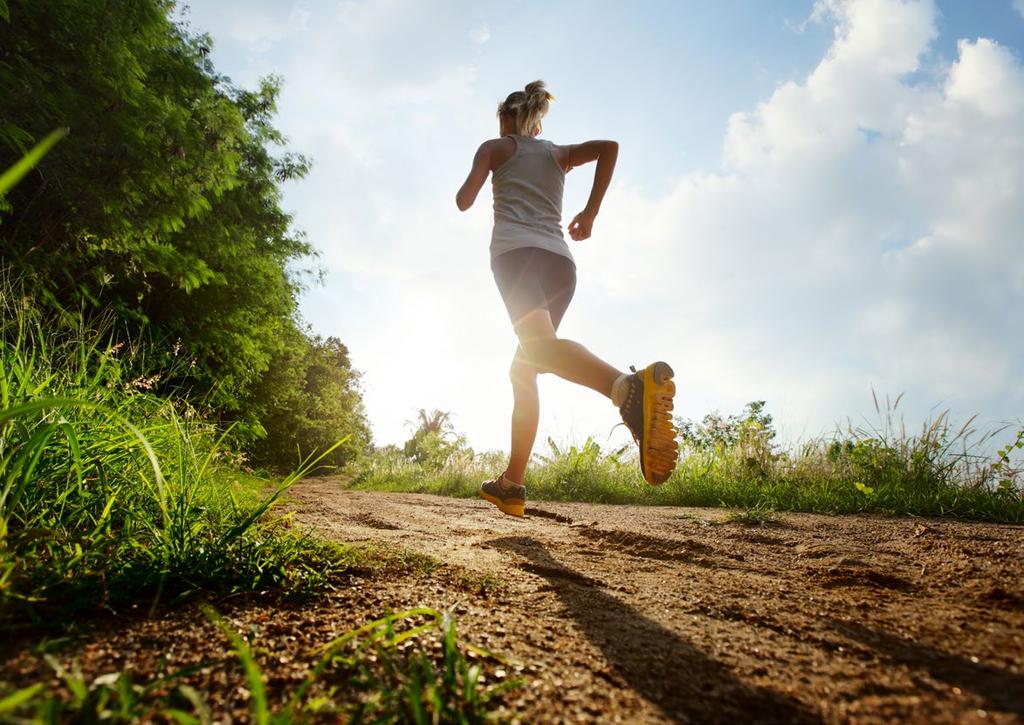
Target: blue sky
(813, 199)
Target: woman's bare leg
(525, 416)
(540, 350)
(567, 359)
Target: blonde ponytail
(527, 107)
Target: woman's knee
(536, 337)
(523, 375)
(539, 350)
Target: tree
(309, 400)
(717, 431)
(436, 421)
(434, 441)
(163, 202)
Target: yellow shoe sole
(660, 451)
(512, 507)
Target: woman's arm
(477, 176)
(605, 153)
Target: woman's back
(527, 191)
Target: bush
(752, 426)
(732, 461)
(307, 401)
(109, 493)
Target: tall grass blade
(14, 174)
(308, 465)
(253, 675)
(19, 697)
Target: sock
(505, 484)
(620, 389)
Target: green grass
(457, 475)
(880, 468)
(110, 495)
(407, 667)
(759, 515)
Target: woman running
(536, 276)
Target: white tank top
(527, 192)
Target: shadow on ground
(657, 663)
(1000, 689)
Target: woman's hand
(605, 153)
(582, 224)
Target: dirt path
(634, 614)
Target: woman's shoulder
(498, 142)
(499, 150)
(502, 142)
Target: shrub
(108, 492)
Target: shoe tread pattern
(647, 413)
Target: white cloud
(863, 230)
(1018, 5)
(860, 234)
(824, 259)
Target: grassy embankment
(112, 498)
(937, 471)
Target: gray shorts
(531, 278)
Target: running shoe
(510, 498)
(647, 412)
